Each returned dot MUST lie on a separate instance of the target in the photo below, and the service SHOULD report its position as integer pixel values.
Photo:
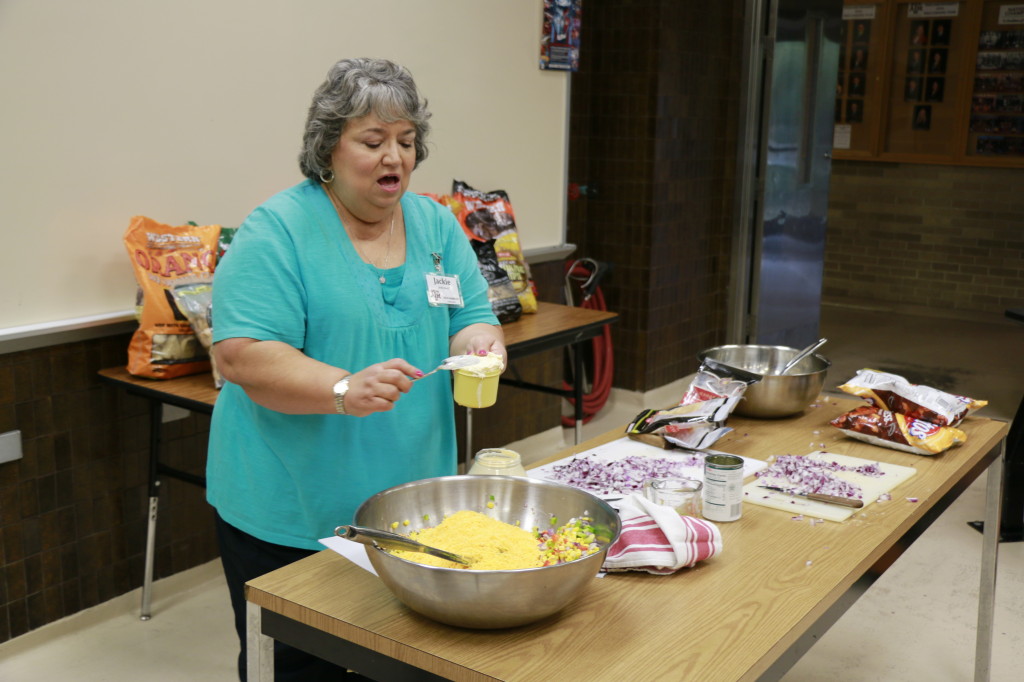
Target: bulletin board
(859, 91)
(943, 82)
(924, 111)
(996, 127)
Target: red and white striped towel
(656, 539)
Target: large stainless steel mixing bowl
(486, 599)
(775, 395)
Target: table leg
(577, 390)
(469, 440)
(156, 414)
(259, 649)
(1011, 524)
(989, 560)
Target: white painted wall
(193, 110)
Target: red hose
(604, 365)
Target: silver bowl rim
(828, 363)
(551, 484)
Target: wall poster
(560, 35)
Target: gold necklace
(391, 232)
(387, 253)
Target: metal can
(723, 487)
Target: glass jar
(497, 462)
(682, 494)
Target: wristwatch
(340, 389)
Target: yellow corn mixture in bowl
(493, 545)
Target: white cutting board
(873, 488)
(626, 447)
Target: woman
(322, 324)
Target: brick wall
(652, 137)
(945, 240)
(73, 509)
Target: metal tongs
(388, 540)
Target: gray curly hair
(355, 88)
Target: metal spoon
(454, 362)
(383, 538)
(801, 355)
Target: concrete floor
(917, 622)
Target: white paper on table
(353, 551)
(627, 447)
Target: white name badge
(444, 290)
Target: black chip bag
(488, 216)
(504, 301)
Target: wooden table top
(728, 618)
(195, 391)
(551, 324)
(552, 320)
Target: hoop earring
(326, 176)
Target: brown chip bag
(165, 346)
(898, 431)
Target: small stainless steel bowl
(775, 395)
(487, 599)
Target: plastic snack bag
(892, 392)
(500, 292)
(714, 380)
(489, 216)
(693, 425)
(227, 234)
(196, 301)
(164, 256)
(898, 431)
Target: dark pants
(245, 558)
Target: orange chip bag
(165, 346)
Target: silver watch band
(340, 389)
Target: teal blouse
(292, 275)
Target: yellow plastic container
(475, 389)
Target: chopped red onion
(623, 475)
(803, 475)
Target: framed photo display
(932, 82)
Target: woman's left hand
(480, 339)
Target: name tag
(444, 290)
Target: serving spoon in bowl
(388, 540)
(801, 355)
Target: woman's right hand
(281, 378)
(376, 388)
